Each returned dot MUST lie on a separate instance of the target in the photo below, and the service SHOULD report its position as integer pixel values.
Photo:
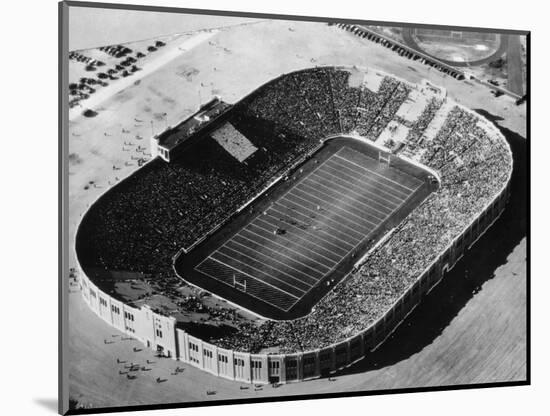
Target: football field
(295, 243)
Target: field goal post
(384, 158)
(239, 285)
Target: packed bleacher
(362, 298)
(420, 125)
(141, 223)
(376, 110)
(474, 167)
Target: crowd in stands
(316, 89)
(473, 169)
(141, 223)
(377, 110)
(419, 126)
(164, 207)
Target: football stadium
(322, 207)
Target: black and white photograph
(268, 207)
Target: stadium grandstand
(343, 194)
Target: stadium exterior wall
(159, 332)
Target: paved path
(515, 66)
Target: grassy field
(329, 212)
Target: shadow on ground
(445, 301)
(48, 404)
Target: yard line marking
(340, 167)
(259, 270)
(341, 195)
(361, 195)
(311, 272)
(296, 235)
(284, 248)
(364, 182)
(305, 177)
(320, 215)
(307, 232)
(296, 278)
(370, 161)
(360, 185)
(337, 208)
(360, 178)
(304, 248)
(205, 259)
(300, 209)
(410, 195)
(302, 291)
(302, 280)
(272, 258)
(291, 236)
(414, 179)
(325, 225)
(281, 259)
(339, 212)
(376, 173)
(357, 245)
(248, 293)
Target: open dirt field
(484, 342)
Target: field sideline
(279, 256)
(323, 218)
